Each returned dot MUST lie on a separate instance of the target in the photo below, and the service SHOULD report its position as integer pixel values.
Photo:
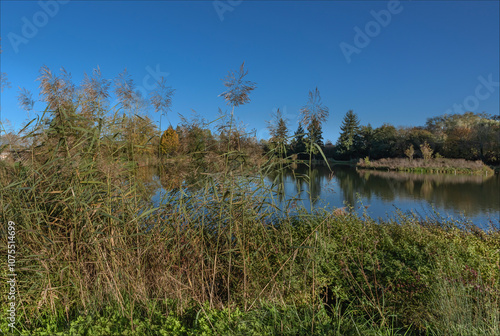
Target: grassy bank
(95, 257)
(441, 165)
(216, 256)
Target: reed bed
(95, 256)
(216, 255)
(434, 165)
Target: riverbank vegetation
(469, 136)
(216, 255)
(442, 165)
(95, 257)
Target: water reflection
(301, 182)
(382, 192)
(476, 196)
(470, 193)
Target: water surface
(380, 194)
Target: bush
(426, 151)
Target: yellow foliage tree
(169, 142)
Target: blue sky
(418, 63)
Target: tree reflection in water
(472, 194)
(476, 196)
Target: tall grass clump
(219, 254)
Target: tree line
(126, 129)
(471, 136)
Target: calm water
(380, 193)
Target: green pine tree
(298, 143)
(314, 135)
(279, 133)
(314, 114)
(350, 129)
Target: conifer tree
(314, 134)
(298, 144)
(279, 132)
(350, 130)
(169, 142)
(314, 114)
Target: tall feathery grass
(95, 255)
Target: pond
(380, 194)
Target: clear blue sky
(418, 64)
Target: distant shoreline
(432, 166)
